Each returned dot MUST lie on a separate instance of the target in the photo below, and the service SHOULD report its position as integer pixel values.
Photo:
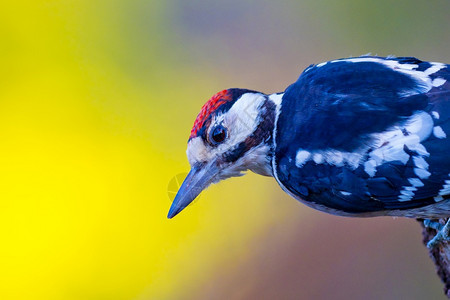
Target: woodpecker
(359, 137)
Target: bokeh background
(97, 99)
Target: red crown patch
(210, 106)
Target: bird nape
(360, 137)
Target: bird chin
(228, 173)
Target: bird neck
(259, 158)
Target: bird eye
(218, 135)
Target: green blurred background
(97, 99)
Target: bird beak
(198, 179)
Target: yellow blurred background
(97, 99)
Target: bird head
(232, 134)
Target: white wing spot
(421, 173)
(407, 193)
(439, 132)
(420, 149)
(420, 162)
(435, 115)
(415, 182)
(437, 82)
(370, 167)
(434, 68)
(445, 188)
(390, 144)
(420, 124)
(337, 158)
(345, 193)
(318, 158)
(438, 198)
(301, 158)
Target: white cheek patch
(242, 119)
(197, 151)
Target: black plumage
(346, 139)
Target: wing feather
(392, 114)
